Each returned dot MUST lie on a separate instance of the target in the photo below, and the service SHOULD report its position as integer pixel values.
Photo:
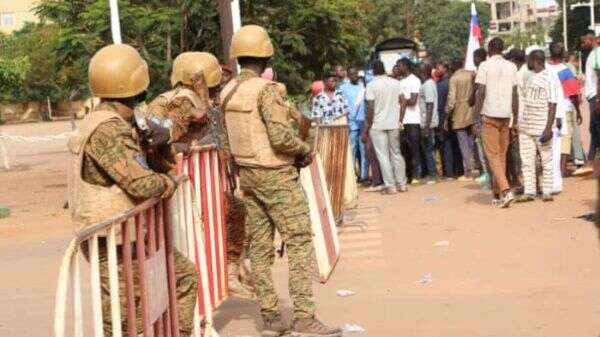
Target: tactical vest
(248, 139)
(91, 204)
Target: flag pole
(115, 24)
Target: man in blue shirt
(354, 93)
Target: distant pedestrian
(568, 113)
(460, 115)
(535, 128)
(592, 67)
(342, 75)
(496, 101)
(444, 136)
(410, 115)
(354, 93)
(479, 56)
(383, 126)
(513, 158)
(428, 102)
(330, 103)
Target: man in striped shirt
(535, 127)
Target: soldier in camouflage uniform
(110, 174)
(267, 151)
(194, 119)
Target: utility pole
(229, 17)
(407, 17)
(565, 31)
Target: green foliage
(160, 30)
(32, 49)
(578, 21)
(384, 19)
(444, 26)
(310, 36)
(13, 72)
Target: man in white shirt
(410, 115)
(592, 67)
(383, 126)
(535, 133)
(495, 102)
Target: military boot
(274, 327)
(236, 288)
(312, 327)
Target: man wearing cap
(110, 175)
(267, 151)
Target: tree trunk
(169, 47)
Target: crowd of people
(512, 125)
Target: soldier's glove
(170, 186)
(305, 160)
(153, 130)
(160, 131)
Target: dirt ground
(532, 270)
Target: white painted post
(115, 24)
(95, 286)
(4, 153)
(236, 19)
(77, 307)
(113, 275)
(565, 31)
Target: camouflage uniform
(186, 130)
(275, 200)
(113, 156)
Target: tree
(310, 36)
(12, 76)
(384, 19)
(578, 21)
(444, 26)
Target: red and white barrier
(206, 244)
(146, 228)
(325, 240)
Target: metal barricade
(205, 198)
(325, 239)
(141, 236)
(191, 221)
(332, 145)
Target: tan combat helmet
(118, 71)
(251, 41)
(188, 64)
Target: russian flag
(475, 39)
(569, 82)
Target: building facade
(508, 16)
(15, 13)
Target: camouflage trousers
(236, 228)
(274, 199)
(185, 279)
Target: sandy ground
(532, 270)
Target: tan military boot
(313, 328)
(274, 327)
(236, 288)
